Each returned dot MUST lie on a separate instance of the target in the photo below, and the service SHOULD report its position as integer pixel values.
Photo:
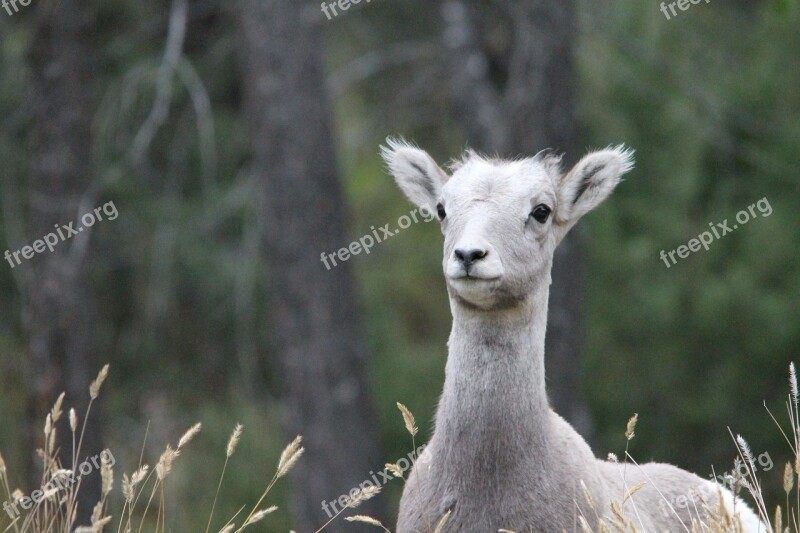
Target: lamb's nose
(467, 257)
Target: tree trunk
(59, 305)
(314, 314)
(513, 91)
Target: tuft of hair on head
(466, 156)
(551, 161)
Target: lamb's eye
(440, 210)
(540, 213)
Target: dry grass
(144, 491)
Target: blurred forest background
(239, 140)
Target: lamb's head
(502, 220)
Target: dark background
(239, 140)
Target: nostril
(469, 256)
(478, 254)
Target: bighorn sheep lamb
(499, 456)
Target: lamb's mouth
(471, 278)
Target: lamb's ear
(415, 172)
(590, 181)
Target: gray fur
(499, 456)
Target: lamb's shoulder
(422, 497)
(573, 462)
(573, 455)
(568, 442)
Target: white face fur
(502, 220)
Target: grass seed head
(189, 435)
(129, 485)
(233, 442)
(165, 462)
(365, 519)
(56, 411)
(633, 490)
(788, 479)
(94, 388)
(73, 420)
(100, 524)
(127, 489)
(139, 475)
(394, 469)
(97, 513)
(289, 456)
(106, 474)
(617, 510)
(259, 516)
(408, 418)
(630, 430)
(746, 452)
(442, 522)
(51, 442)
(362, 495)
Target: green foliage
(709, 101)
(711, 107)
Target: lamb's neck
(494, 392)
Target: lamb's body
(553, 502)
(499, 456)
